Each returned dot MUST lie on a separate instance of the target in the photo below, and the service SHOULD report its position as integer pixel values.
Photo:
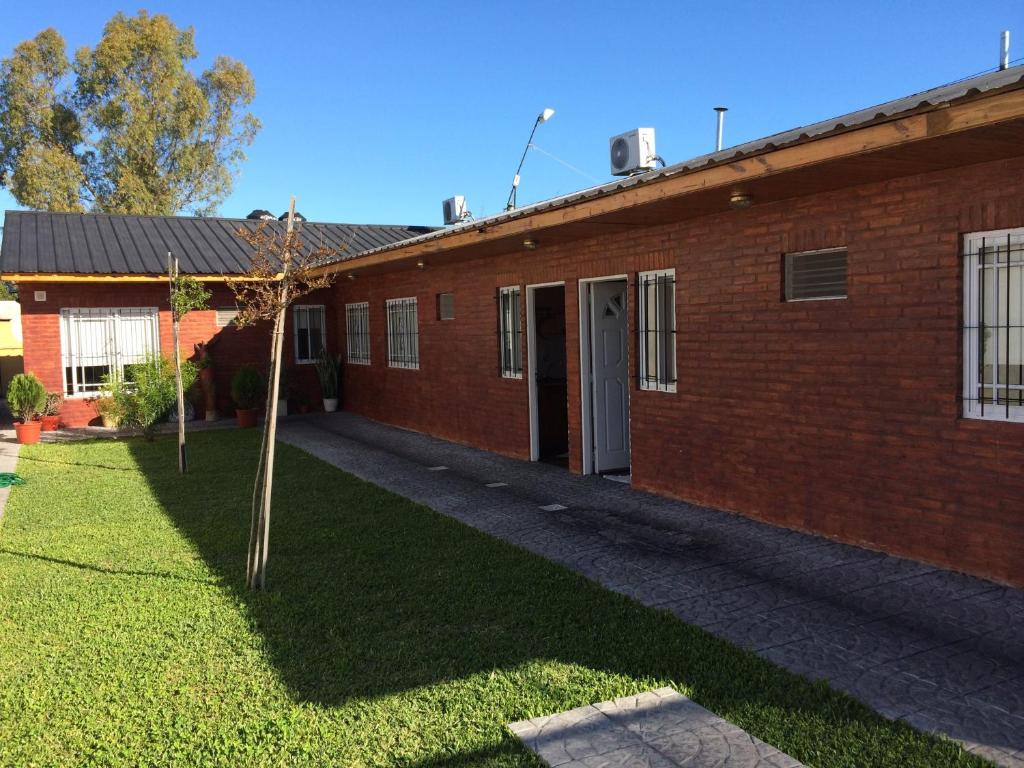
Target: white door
(610, 375)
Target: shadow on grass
(100, 568)
(371, 594)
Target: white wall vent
(40, 295)
(226, 316)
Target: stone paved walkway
(942, 651)
(657, 729)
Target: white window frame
(1010, 275)
(114, 356)
(296, 309)
(655, 383)
(357, 333)
(403, 344)
(509, 334)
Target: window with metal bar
(993, 330)
(100, 342)
(357, 333)
(510, 332)
(815, 275)
(446, 306)
(309, 332)
(656, 328)
(403, 333)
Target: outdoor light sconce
(740, 200)
(421, 263)
(351, 275)
(530, 244)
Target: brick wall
(838, 417)
(231, 347)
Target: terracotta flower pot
(50, 423)
(246, 417)
(27, 432)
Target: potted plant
(327, 367)
(109, 410)
(26, 397)
(247, 389)
(51, 411)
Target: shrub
(149, 392)
(247, 387)
(26, 396)
(109, 409)
(54, 401)
(327, 367)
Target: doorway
(604, 380)
(549, 402)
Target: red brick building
(821, 329)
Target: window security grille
(816, 275)
(993, 330)
(357, 333)
(403, 333)
(226, 316)
(100, 342)
(309, 332)
(510, 333)
(446, 306)
(656, 328)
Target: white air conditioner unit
(455, 209)
(632, 152)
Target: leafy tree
(126, 127)
(8, 291)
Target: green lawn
(391, 635)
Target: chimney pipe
(721, 120)
(1004, 50)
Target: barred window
(657, 330)
(403, 333)
(99, 342)
(510, 333)
(357, 333)
(309, 332)
(993, 332)
(815, 275)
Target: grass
(391, 635)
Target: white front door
(610, 375)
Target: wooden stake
(172, 274)
(261, 546)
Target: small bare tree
(282, 270)
(186, 294)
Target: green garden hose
(8, 479)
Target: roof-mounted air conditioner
(632, 152)
(455, 210)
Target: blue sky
(375, 112)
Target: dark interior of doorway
(552, 380)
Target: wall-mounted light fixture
(351, 275)
(740, 200)
(530, 244)
(421, 263)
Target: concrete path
(942, 651)
(657, 729)
(8, 462)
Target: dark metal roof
(993, 81)
(36, 242)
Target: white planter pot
(330, 404)
(282, 408)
